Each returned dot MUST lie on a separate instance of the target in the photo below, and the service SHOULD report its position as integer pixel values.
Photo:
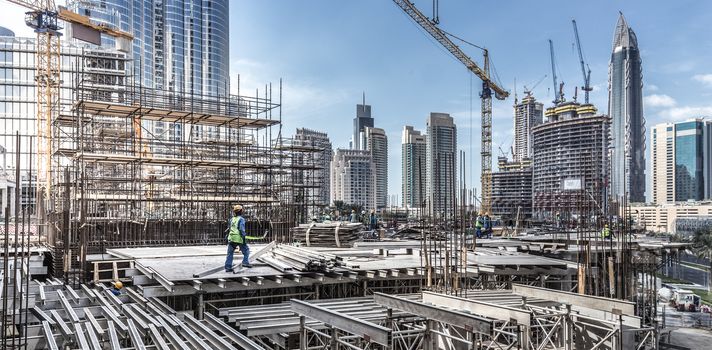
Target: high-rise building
(363, 120)
(377, 144)
(316, 181)
(413, 145)
(179, 46)
(625, 107)
(527, 114)
(441, 162)
(681, 158)
(353, 178)
(512, 189)
(570, 161)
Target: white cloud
(659, 100)
(651, 87)
(705, 79)
(686, 112)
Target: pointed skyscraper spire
(623, 36)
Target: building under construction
(570, 161)
(512, 190)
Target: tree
(702, 246)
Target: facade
(625, 107)
(362, 120)
(179, 46)
(670, 217)
(527, 114)
(318, 179)
(570, 161)
(441, 163)
(512, 190)
(18, 98)
(413, 150)
(377, 144)
(681, 161)
(353, 178)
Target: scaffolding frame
(138, 166)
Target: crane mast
(489, 88)
(586, 74)
(557, 94)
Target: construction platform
(171, 271)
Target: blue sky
(329, 51)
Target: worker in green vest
(237, 237)
(606, 232)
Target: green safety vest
(235, 234)
(606, 232)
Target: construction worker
(606, 232)
(487, 225)
(478, 225)
(116, 288)
(372, 220)
(237, 237)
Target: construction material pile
(288, 258)
(337, 234)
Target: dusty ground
(693, 338)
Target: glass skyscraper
(625, 107)
(178, 46)
(682, 161)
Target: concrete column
(200, 309)
(302, 334)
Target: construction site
(117, 199)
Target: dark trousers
(244, 249)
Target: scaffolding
(137, 166)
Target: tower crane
(586, 71)
(557, 90)
(528, 91)
(488, 88)
(44, 18)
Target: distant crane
(528, 91)
(488, 87)
(586, 74)
(557, 95)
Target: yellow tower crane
(44, 18)
(488, 86)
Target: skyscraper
(681, 161)
(322, 159)
(353, 178)
(413, 167)
(179, 46)
(363, 119)
(377, 144)
(441, 162)
(527, 114)
(625, 107)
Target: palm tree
(702, 246)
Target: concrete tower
(441, 162)
(527, 114)
(353, 178)
(625, 107)
(413, 145)
(377, 144)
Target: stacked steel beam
(337, 234)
